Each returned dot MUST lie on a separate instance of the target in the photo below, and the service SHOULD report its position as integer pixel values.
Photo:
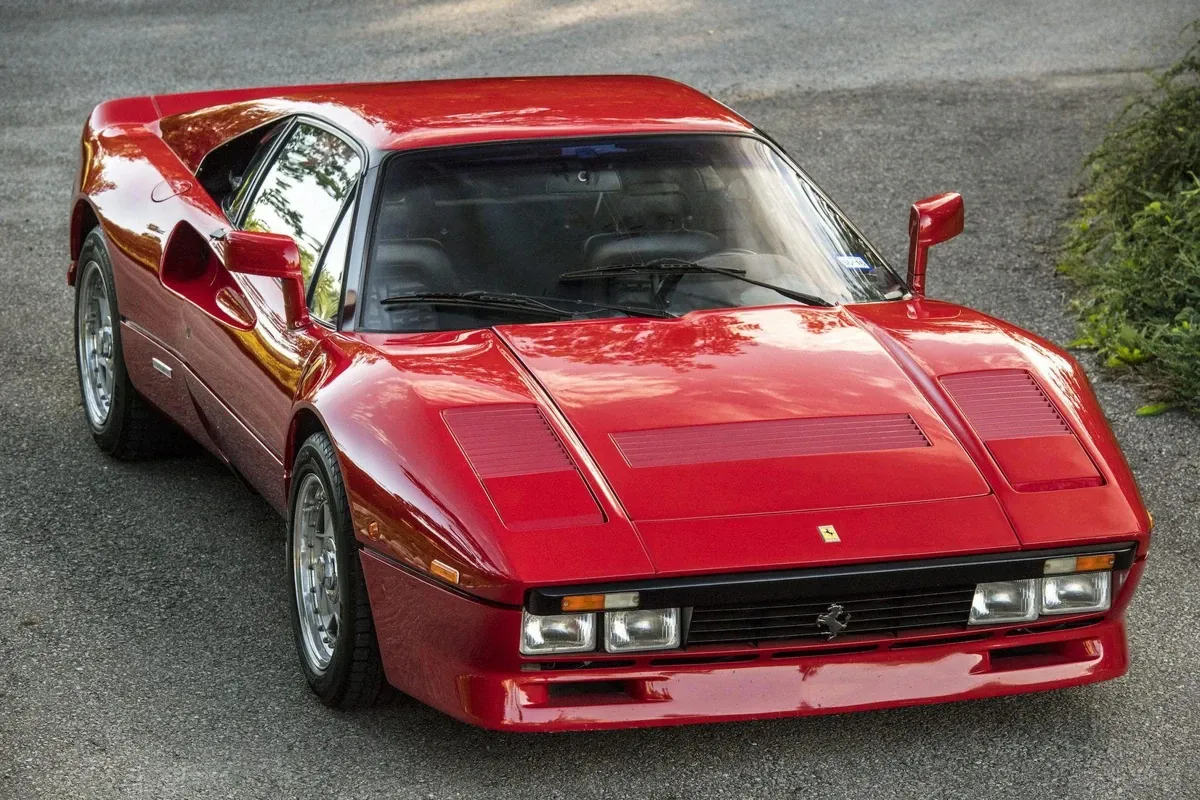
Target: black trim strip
(781, 585)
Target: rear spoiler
(189, 141)
(150, 108)
(124, 111)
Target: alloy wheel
(315, 562)
(95, 344)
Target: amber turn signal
(599, 602)
(1062, 566)
(583, 602)
(1093, 563)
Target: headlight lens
(1074, 594)
(1025, 600)
(643, 629)
(1004, 601)
(557, 633)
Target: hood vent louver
(502, 441)
(782, 438)
(1024, 431)
(524, 468)
(1005, 404)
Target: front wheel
(122, 423)
(331, 615)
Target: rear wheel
(331, 615)
(122, 423)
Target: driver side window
(304, 190)
(326, 294)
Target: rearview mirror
(931, 221)
(271, 255)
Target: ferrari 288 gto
(586, 408)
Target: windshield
(671, 223)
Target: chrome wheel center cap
(327, 571)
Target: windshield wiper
(680, 266)
(514, 302)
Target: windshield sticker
(854, 264)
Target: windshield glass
(674, 223)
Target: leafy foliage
(1134, 248)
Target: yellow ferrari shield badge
(828, 534)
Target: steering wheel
(661, 292)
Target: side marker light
(444, 571)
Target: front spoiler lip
(460, 656)
(823, 582)
(768, 689)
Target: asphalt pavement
(144, 641)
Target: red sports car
(586, 408)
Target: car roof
(406, 115)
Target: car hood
(720, 441)
(746, 411)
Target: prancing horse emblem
(829, 534)
(835, 619)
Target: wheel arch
(83, 220)
(305, 422)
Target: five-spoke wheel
(331, 615)
(123, 424)
(94, 340)
(315, 562)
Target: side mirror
(271, 255)
(931, 221)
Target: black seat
(405, 261)
(653, 218)
(608, 249)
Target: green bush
(1134, 248)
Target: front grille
(886, 613)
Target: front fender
(932, 339)
(414, 496)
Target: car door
(247, 362)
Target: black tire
(353, 677)
(132, 429)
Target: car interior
(223, 170)
(517, 224)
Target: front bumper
(459, 655)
